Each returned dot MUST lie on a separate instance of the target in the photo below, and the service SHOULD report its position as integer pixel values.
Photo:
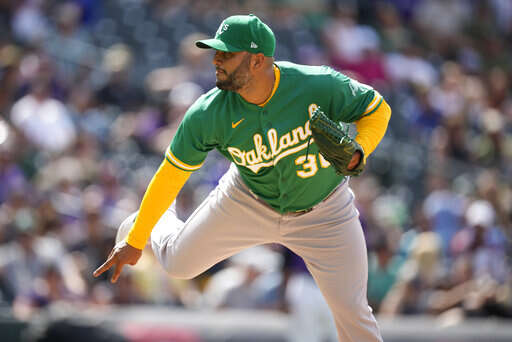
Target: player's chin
(222, 85)
(221, 78)
(219, 81)
(227, 85)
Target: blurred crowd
(92, 92)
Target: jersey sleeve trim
(171, 158)
(377, 100)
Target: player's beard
(239, 78)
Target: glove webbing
(332, 130)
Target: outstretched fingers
(117, 272)
(122, 254)
(111, 260)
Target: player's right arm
(195, 137)
(161, 192)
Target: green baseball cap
(242, 33)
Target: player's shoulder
(319, 77)
(207, 100)
(207, 103)
(293, 69)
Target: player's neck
(259, 89)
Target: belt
(301, 211)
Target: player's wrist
(135, 242)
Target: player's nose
(216, 59)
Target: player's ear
(257, 61)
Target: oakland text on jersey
(280, 147)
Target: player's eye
(220, 55)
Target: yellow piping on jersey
(172, 158)
(374, 103)
(277, 75)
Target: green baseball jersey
(269, 144)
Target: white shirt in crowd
(46, 123)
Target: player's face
(232, 70)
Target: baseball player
(279, 188)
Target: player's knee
(180, 273)
(125, 226)
(352, 305)
(179, 270)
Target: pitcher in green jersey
(279, 189)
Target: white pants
(329, 239)
(310, 317)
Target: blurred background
(91, 93)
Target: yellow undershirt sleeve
(161, 192)
(371, 128)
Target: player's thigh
(331, 242)
(224, 224)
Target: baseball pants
(329, 239)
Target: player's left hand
(121, 254)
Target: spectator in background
(441, 21)
(12, 177)
(410, 66)
(424, 118)
(87, 116)
(346, 39)
(70, 45)
(193, 66)
(483, 241)
(29, 23)
(354, 48)
(26, 260)
(395, 36)
(10, 56)
(475, 284)
(119, 90)
(383, 267)
(417, 278)
(448, 97)
(445, 209)
(37, 66)
(252, 281)
(44, 121)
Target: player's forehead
(237, 54)
(233, 53)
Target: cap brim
(217, 45)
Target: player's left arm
(371, 128)
(352, 101)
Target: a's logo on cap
(253, 45)
(222, 28)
